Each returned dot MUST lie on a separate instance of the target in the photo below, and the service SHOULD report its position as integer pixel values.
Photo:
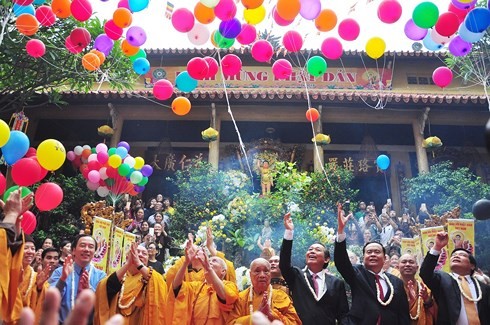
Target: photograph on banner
(428, 236)
(129, 238)
(412, 246)
(101, 232)
(418, 250)
(116, 250)
(461, 234)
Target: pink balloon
(231, 65)
(279, 20)
(72, 48)
(28, 222)
(3, 184)
(35, 48)
(199, 34)
(225, 10)
(81, 10)
(113, 31)
(182, 20)
(389, 11)
(442, 76)
(45, 16)
(310, 9)
(197, 68)
(292, 41)
(349, 29)
(93, 176)
(80, 37)
(48, 196)
(101, 147)
(102, 157)
(248, 34)
(213, 66)
(124, 4)
(163, 89)
(262, 51)
(282, 69)
(70, 155)
(92, 186)
(332, 48)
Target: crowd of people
(54, 286)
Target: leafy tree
(273, 39)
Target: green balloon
(144, 181)
(223, 42)
(124, 169)
(140, 54)
(316, 66)
(111, 151)
(25, 191)
(425, 15)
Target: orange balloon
(252, 4)
(122, 17)
(312, 114)
(27, 24)
(86, 153)
(288, 9)
(203, 14)
(100, 55)
(61, 8)
(91, 62)
(181, 106)
(326, 20)
(128, 49)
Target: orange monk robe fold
(198, 304)
(281, 306)
(151, 300)
(38, 297)
(424, 316)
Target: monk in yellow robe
(135, 291)
(273, 303)
(202, 302)
(422, 307)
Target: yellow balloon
(138, 163)
(4, 133)
(115, 161)
(254, 16)
(51, 154)
(375, 47)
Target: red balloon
(81, 10)
(80, 37)
(94, 165)
(447, 24)
(43, 171)
(111, 172)
(197, 68)
(213, 66)
(28, 222)
(84, 170)
(31, 152)
(3, 184)
(48, 196)
(312, 114)
(25, 172)
(461, 13)
(72, 48)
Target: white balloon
(210, 3)
(78, 150)
(130, 161)
(438, 38)
(199, 34)
(87, 147)
(468, 36)
(103, 191)
(103, 173)
(92, 157)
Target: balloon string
(242, 145)
(386, 183)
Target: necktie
(381, 294)
(80, 288)
(469, 306)
(315, 284)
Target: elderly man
(316, 294)
(260, 296)
(202, 302)
(377, 297)
(135, 291)
(460, 297)
(422, 307)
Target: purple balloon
(459, 47)
(230, 28)
(414, 32)
(146, 170)
(136, 36)
(310, 9)
(124, 144)
(464, 6)
(104, 44)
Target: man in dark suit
(319, 298)
(377, 297)
(461, 298)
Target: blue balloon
(39, 2)
(141, 66)
(430, 44)
(383, 162)
(121, 152)
(19, 10)
(16, 147)
(468, 36)
(477, 20)
(138, 5)
(185, 83)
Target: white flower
(293, 207)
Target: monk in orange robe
(273, 303)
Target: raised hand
(288, 221)
(43, 275)
(424, 294)
(204, 260)
(190, 252)
(210, 242)
(442, 239)
(67, 268)
(341, 219)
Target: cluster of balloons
(111, 172)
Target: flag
(170, 9)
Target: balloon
(115, 161)
(19, 10)
(332, 48)
(198, 35)
(231, 64)
(254, 16)
(104, 44)
(124, 169)
(136, 177)
(24, 192)
(80, 37)
(349, 29)
(25, 172)
(128, 49)
(197, 68)
(48, 196)
(122, 17)
(225, 9)
(425, 14)
(51, 154)
(203, 14)
(383, 162)
(430, 44)
(70, 155)
(113, 31)
(310, 9)
(93, 176)
(138, 5)
(16, 147)
(123, 144)
(181, 106)
(184, 82)
(262, 51)
(91, 61)
(279, 20)
(461, 13)
(247, 35)
(28, 222)
(3, 184)
(163, 89)
(123, 4)
(221, 41)
(130, 161)
(102, 157)
(72, 48)
(122, 152)
(78, 150)
(414, 32)
(292, 41)
(481, 209)
(230, 28)
(326, 20)
(140, 54)
(212, 67)
(442, 76)
(477, 20)
(35, 48)
(138, 162)
(288, 9)
(459, 47)
(81, 10)
(375, 47)
(439, 39)
(447, 24)
(61, 8)
(468, 36)
(282, 69)
(102, 191)
(146, 170)
(92, 186)
(4, 133)
(45, 16)
(312, 114)
(464, 5)
(136, 36)
(99, 54)
(27, 24)
(252, 4)
(141, 66)
(389, 11)
(210, 3)
(316, 66)
(101, 147)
